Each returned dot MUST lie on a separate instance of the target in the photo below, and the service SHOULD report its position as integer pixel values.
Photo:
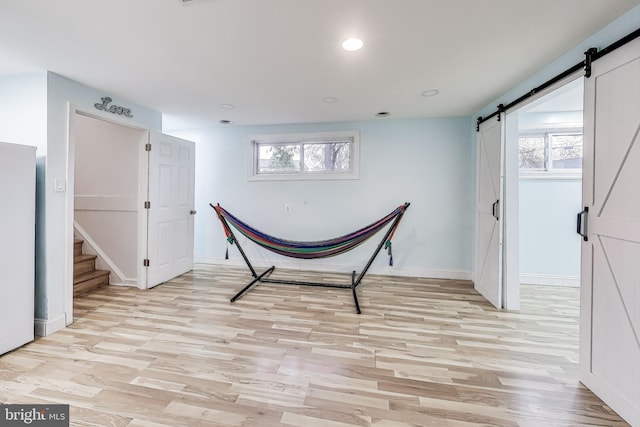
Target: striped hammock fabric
(308, 250)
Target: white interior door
(610, 297)
(171, 177)
(488, 266)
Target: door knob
(192, 212)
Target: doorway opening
(131, 199)
(549, 140)
(108, 182)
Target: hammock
(309, 250)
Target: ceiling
(275, 60)
(568, 98)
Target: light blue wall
(23, 110)
(34, 111)
(549, 245)
(425, 161)
(61, 92)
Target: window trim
(549, 172)
(255, 140)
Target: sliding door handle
(495, 209)
(583, 217)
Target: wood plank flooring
(423, 353)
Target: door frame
(511, 240)
(72, 110)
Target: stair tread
(83, 257)
(90, 285)
(82, 277)
(86, 278)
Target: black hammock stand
(309, 250)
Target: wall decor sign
(115, 109)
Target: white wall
(425, 162)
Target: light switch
(60, 185)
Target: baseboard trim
(340, 268)
(550, 280)
(45, 327)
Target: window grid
(553, 151)
(305, 156)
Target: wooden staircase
(85, 276)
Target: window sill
(573, 176)
(303, 177)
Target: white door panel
(610, 294)
(170, 220)
(488, 268)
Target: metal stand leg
(257, 279)
(353, 291)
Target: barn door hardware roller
(589, 57)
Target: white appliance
(17, 244)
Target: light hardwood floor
(423, 353)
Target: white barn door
(171, 176)
(610, 288)
(488, 265)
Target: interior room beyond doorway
(550, 186)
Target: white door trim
(511, 196)
(72, 110)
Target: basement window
(552, 152)
(309, 156)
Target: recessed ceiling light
(329, 100)
(227, 106)
(430, 92)
(383, 114)
(225, 122)
(352, 44)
